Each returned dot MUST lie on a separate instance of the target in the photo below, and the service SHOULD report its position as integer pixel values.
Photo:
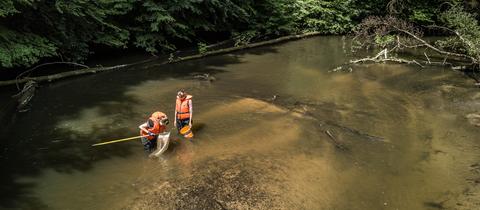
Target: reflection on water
(277, 129)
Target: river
(276, 129)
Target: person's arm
(190, 105)
(175, 118)
(143, 127)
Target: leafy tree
(161, 24)
(23, 48)
(274, 18)
(466, 32)
(32, 30)
(333, 16)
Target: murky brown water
(276, 130)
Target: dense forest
(32, 31)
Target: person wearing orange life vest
(150, 130)
(183, 110)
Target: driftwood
(358, 133)
(378, 58)
(439, 51)
(62, 75)
(334, 140)
(45, 64)
(25, 96)
(53, 77)
(243, 47)
(206, 77)
(396, 60)
(382, 57)
(408, 36)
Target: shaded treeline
(32, 31)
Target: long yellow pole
(118, 140)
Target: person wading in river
(183, 112)
(155, 125)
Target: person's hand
(151, 134)
(190, 124)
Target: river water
(277, 129)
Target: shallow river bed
(276, 129)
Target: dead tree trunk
(62, 75)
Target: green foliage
(385, 40)
(7, 8)
(162, 24)
(422, 16)
(153, 26)
(331, 17)
(467, 29)
(23, 48)
(244, 38)
(281, 17)
(61, 28)
(274, 17)
(202, 48)
(31, 30)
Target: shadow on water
(434, 205)
(46, 137)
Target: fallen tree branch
(334, 140)
(45, 64)
(378, 59)
(404, 61)
(411, 37)
(175, 60)
(465, 41)
(383, 52)
(242, 47)
(428, 59)
(381, 60)
(426, 44)
(53, 77)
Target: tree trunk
(62, 75)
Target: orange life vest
(156, 129)
(182, 107)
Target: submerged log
(307, 109)
(206, 77)
(474, 119)
(25, 96)
(334, 140)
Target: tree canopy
(66, 30)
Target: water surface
(276, 129)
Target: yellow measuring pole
(118, 140)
